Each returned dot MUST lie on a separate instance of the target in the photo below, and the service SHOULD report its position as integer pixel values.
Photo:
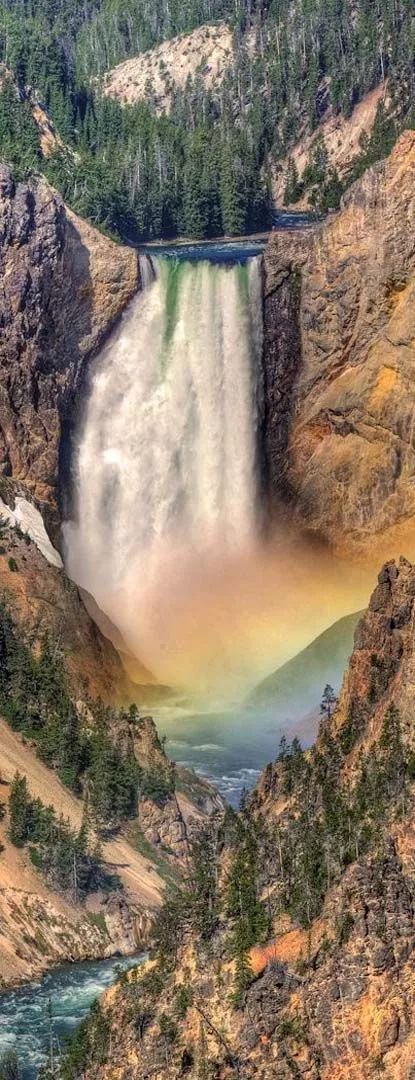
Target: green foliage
(379, 144)
(9, 1066)
(328, 702)
(328, 825)
(112, 781)
(19, 811)
(13, 566)
(88, 1046)
(344, 927)
(157, 784)
(194, 905)
(152, 983)
(65, 857)
(292, 761)
(168, 1028)
(36, 700)
(203, 168)
(19, 135)
(324, 189)
(183, 1001)
(291, 1027)
(293, 189)
(248, 918)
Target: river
(71, 989)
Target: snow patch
(30, 520)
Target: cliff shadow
(282, 363)
(93, 303)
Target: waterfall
(166, 469)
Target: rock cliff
(44, 602)
(339, 365)
(62, 286)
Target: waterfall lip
(220, 252)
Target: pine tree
(292, 187)
(328, 702)
(19, 811)
(9, 1066)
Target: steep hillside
(335, 146)
(339, 331)
(48, 914)
(43, 924)
(204, 54)
(45, 603)
(299, 960)
(102, 820)
(218, 115)
(298, 684)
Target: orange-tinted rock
(340, 447)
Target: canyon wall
(339, 365)
(62, 286)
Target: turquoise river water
(70, 991)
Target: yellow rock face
(349, 407)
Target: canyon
(337, 352)
(207, 511)
(327, 994)
(335, 434)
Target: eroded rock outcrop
(173, 802)
(62, 286)
(339, 376)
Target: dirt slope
(341, 136)
(207, 51)
(141, 882)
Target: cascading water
(166, 469)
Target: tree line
(69, 859)
(36, 700)
(205, 167)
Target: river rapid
(68, 992)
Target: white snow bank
(30, 521)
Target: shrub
(9, 1066)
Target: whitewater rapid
(166, 467)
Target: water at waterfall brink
(167, 465)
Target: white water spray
(167, 471)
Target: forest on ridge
(204, 167)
